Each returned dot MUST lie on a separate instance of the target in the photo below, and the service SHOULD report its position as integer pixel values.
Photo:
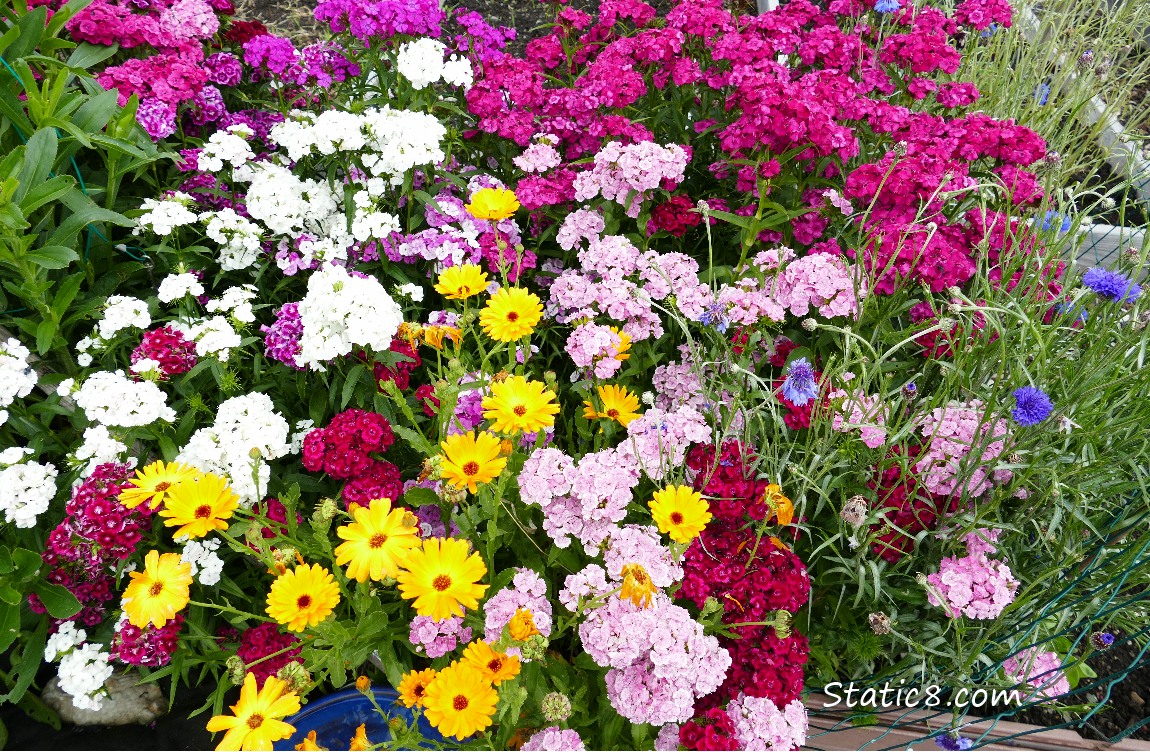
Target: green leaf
(38, 160)
(27, 563)
(66, 293)
(59, 601)
(416, 439)
(49, 190)
(352, 382)
(420, 497)
(38, 711)
(87, 55)
(9, 625)
(25, 667)
(45, 333)
(53, 256)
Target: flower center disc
(156, 589)
(441, 583)
(163, 485)
(513, 316)
(677, 518)
(255, 721)
(612, 413)
(377, 540)
(520, 410)
(471, 468)
(459, 702)
(495, 665)
(203, 512)
(304, 601)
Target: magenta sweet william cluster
(151, 646)
(167, 347)
(343, 450)
(265, 650)
(579, 86)
(97, 534)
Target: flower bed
(605, 396)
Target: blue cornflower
(715, 315)
(952, 741)
(1042, 94)
(1052, 217)
(799, 387)
(1101, 640)
(1111, 285)
(1032, 406)
(989, 31)
(887, 6)
(1079, 314)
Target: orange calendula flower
(492, 204)
(681, 512)
(199, 505)
(309, 744)
(511, 314)
(471, 459)
(780, 506)
(376, 541)
(413, 688)
(522, 625)
(461, 282)
(517, 404)
(460, 701)
(618, 405)
(435, 334)
(359, 742)
(637, 585)
(303, 597)
(496, 667)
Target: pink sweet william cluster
(343, 450)
(438, 638)
(595, 347)
(627, 174)
(1041, 670)
(760, 724)
(864, 412)
(974, 585)
(952, 433)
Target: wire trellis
(1114, 578)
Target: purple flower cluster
(382, 19)
(554, 739)
(282, 340)
(1032, 406)
(760, 724)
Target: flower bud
(556, 707)
(453, 495)
(235, 668)
(325, 511)
(363, 684)
(854, 511)
(535, 648)
(810, 324)
(295, 675)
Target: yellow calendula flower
(496, 667)
(309, 744)
(517, 404)
(413, 688)
(359, 742)
(493, 204)
(618, 405)
(442, 578)
(460, 701)
(157, 593)
(303, 597)
(511, 314)
(681, 512)
(199, 505)
(637, 585)
(470, 459)
(461, 282)
(254, 723)
(781, 507)
(435, 334)
(152, 483)
(522, 625)
(376, 541)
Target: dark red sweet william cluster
(913, 510)
(167, 347)
(343, 450)
(752, 577)
(265, 640)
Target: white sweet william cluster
(84, 667)
(226, 147)
(286, 204)
(342, 311)
(371, 221)
(164, 216)
(214, 337)
(207, 566)
(236, 302)
(389, 142)
(123, 312)
(99, 446)
(421, 62)
(113, 399)
(26, 488)
(246, 435)
(238, 238)
(16, 376)
(175, 286)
